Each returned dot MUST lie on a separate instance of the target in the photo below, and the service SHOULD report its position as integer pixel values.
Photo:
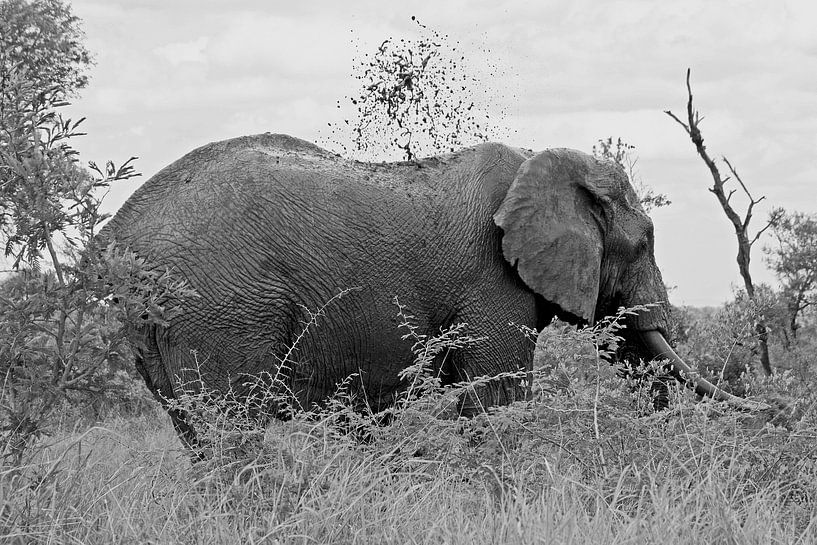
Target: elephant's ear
(552, 231)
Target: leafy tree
(623, 153)
(44, 40)
(794, 261)
(60, 323)
(42, 62)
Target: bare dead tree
(745, 242)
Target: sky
(171, 76)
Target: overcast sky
(174, 75)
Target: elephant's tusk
(660, 348)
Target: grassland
(586, 464)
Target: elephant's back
(289, 176)
(287, 197)
(265, 166)
(275, 209)
(212, 170)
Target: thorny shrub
(586, 419)
(588, 428)
(723, 341)
(62, 325)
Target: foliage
(623, 154)
(724, 341)
(418, 96)
(41, 63)
(581, 463)
(721, 341)
(794, 261)
(43, 40)
(61, 323)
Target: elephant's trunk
(660, 348)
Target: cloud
(180, 52)
(271, 44)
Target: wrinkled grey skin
(265, 225)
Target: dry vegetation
(584, 462)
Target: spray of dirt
(419, 97)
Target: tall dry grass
(586, 461)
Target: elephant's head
(573, 227)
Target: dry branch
(741, 225)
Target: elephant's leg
(506, 351)
(149, 363)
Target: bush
(578, 462)
(61, 318)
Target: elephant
(265, 226)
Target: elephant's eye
(649, 234)
(649, 239)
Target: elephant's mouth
(659, 348)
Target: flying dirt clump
(418, 97)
